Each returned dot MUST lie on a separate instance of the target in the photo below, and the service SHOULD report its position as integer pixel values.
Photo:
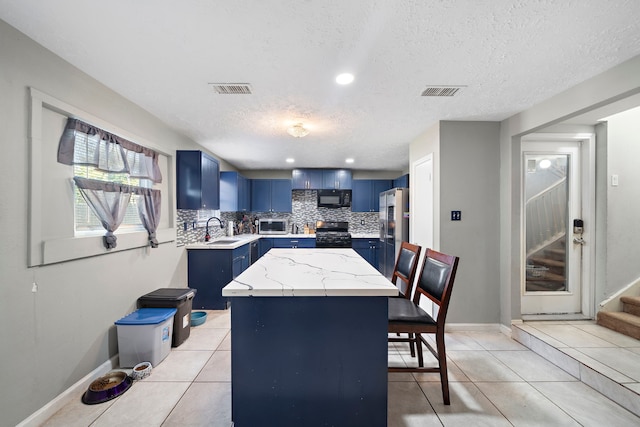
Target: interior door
(552, 204)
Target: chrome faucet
(206, 234)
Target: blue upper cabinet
(271, 195)
(235, 192)
(321, 179)
(197, 180)
(366, 192)
(336, 179)
(306, 179)
(401, 182)
(281, 195)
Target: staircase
(626, 321)
(546, 267)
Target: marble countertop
(226, 242)
(232, 242)
(310, 272)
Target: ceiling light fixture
(349, 160)
(298, 130)
(290, 160)
(344, 78)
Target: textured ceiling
(162, 55)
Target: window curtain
(108, 200)
(84, 144)
(149, 211)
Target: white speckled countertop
(310, 272)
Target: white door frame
(588, 174)
(423, 235)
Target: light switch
(456, 215)
(614, 180)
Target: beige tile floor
(494, 381)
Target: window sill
(61, 250)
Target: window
(86, 222)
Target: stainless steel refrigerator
(394, 226)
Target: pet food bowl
(198, 318)
(141, 371)
(107, 387)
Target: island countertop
(310, 272)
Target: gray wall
(623, 201)
(613, 85)
(469, 182)
(54, 337)
(466, 177)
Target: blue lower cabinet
(210, 270)
(368, 249)
(292, 243)
(264, 244)
(295, 362)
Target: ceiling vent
(441, 90)
(232, 88)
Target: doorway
(556, 196)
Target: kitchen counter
(310, 272)
(232, 242)
(313, 330)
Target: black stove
(332, 234)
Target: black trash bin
(179, 298)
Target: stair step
(549, 262)
(625, 323)
(630, 300)
(631, 305)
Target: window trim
(42, 252)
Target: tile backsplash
(304, 211)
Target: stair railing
(546, 216)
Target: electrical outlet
(362, 222)
(185, 225)
(34, 287)
(456, 215)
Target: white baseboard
(472, 327)
(47, 411)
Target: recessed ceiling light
(290, 160)
(344, 78)
(349, 160)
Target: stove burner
(332, 234)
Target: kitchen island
(309, 340)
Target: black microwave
(334, 199)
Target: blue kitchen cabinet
(240, 260)
(264, 245)
(271, 195)
(366, 194)
(293, 243)
(235, 192)
(307, 179)
(321, 179)
(367, 249)
(210, 270)
(401, 182)
(336, 179)
(281, 195)
(197, 180)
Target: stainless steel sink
(222, 242)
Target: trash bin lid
(147, 316)
(169, 294)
